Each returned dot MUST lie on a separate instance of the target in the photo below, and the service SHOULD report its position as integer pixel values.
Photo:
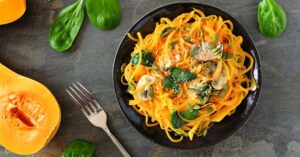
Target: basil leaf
(271, 17)
(104, 14)
(147, 58)
(79, 148)
(180, 75)
(190, 115)
(66, 26)
(176, 121)
(167, 31)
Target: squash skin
(11, 10)
(15, 135)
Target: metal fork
(92, 109)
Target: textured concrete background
(273, 130)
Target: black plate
(219, 131)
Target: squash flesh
(30, 115)
(11, 10)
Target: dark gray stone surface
(273, 130)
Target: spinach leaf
(272, 19)
(104, 14)
(176, 121)
(180, 75)
(167, 31)
(66, 26)
(79, 148)
(169, 82)
(190, 114)
(147, 58)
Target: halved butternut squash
(11, 10)
(29, 113)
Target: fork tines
(84, 99)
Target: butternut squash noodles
(188, 73)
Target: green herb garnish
(169, 82)
(147, 58)
(177, 76)
(167, 31)
(180, 75)
(190, 114)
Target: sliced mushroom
(207, 51)
(144, 87)
(222, 79)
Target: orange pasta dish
(188, 73)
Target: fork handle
(116, 142)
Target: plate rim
(256, 61)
